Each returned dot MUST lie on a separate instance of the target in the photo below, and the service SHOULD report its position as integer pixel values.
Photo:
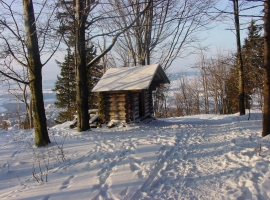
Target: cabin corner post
(101, 108)
(151, 107)
(128, 107)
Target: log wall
(124, 105)
(148, 106)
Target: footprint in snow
(3, 166)
(66, 183)
(138, 169)
(46, 198)
(15, 153)
(124, 192)
(134, 166)
(142, 174)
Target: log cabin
(125, 94)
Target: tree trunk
(28, 108)
(205, 89)
(138, 33)
(81, 71)
(239, 60)
(148, 32)
(35, 69)
(31, 120)
(266, 107)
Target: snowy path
(205, 161)
(198, 157)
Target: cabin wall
(148, 103)
(125, 106)
(134, 106)
(114, 106)
(141, 104)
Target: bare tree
(163, 33)
(20, 90)
(240, 64)
(25, 48)
(219, 71)
(182, 96)
(187, 96)
(203, 65)
(21, 93)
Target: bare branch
(116, 37)
(15, 79)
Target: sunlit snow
(194, 157)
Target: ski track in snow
(160, 160)
(189, 169)
(110, 163)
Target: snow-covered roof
(131, 78)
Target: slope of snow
(195, 157)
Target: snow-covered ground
(195, 157)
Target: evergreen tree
(252, 53)
(253, 58)
(231, 90)
(65, 89)
(68, 30)
(65, 86)
(93, 75)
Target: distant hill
(177, 75)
